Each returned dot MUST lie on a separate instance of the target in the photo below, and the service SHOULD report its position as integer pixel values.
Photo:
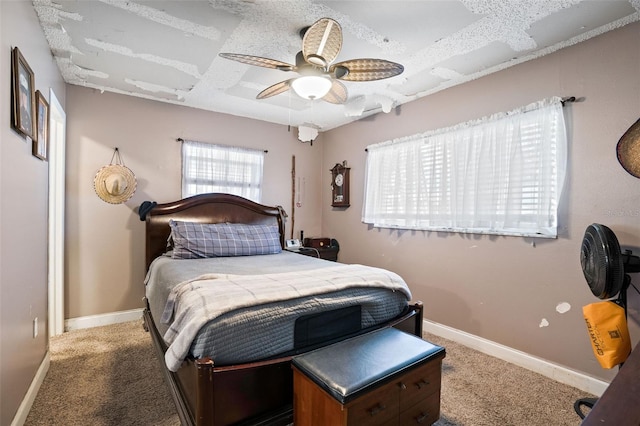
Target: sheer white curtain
(219, 168)
(499, 175)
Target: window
(499, 175)
(218, 168)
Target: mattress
(259, 332)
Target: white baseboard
(27, 401)
(553, 371)
(102, 319)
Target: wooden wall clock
(340, 185)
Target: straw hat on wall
(628, 150)
(115, 183)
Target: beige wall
(501, 288)
(105, 242)
(23, 215)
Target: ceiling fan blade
(276, 89)
(337, 94)
(259, 61)
(366, 69)
(322, 42)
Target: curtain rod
(182, 140)
(563, 101)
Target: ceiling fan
(319, 78)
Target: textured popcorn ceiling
(168, 49)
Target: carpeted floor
(103, 376)
(110, 376)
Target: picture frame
(41, 141)
(23, 95)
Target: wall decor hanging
(23, 106)
(115, 183)
(41, 142)
(340, 185)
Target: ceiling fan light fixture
(319, 77)
(311, 86)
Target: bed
(236, 368)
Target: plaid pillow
(193, 240)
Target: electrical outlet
(35, 327)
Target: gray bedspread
(252, 333)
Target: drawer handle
(402, 386)
(422, 383)
(375, 410)
(422, 417)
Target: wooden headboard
(205, 208)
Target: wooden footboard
(258, 393)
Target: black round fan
(604, 266)
(601, 261)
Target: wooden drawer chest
(391, 385)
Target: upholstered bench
(383, 377)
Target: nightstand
(326, 253)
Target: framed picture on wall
(41, 141)
(23, 95)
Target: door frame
(57, 150)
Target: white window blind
(218, 168)
(498, 175)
